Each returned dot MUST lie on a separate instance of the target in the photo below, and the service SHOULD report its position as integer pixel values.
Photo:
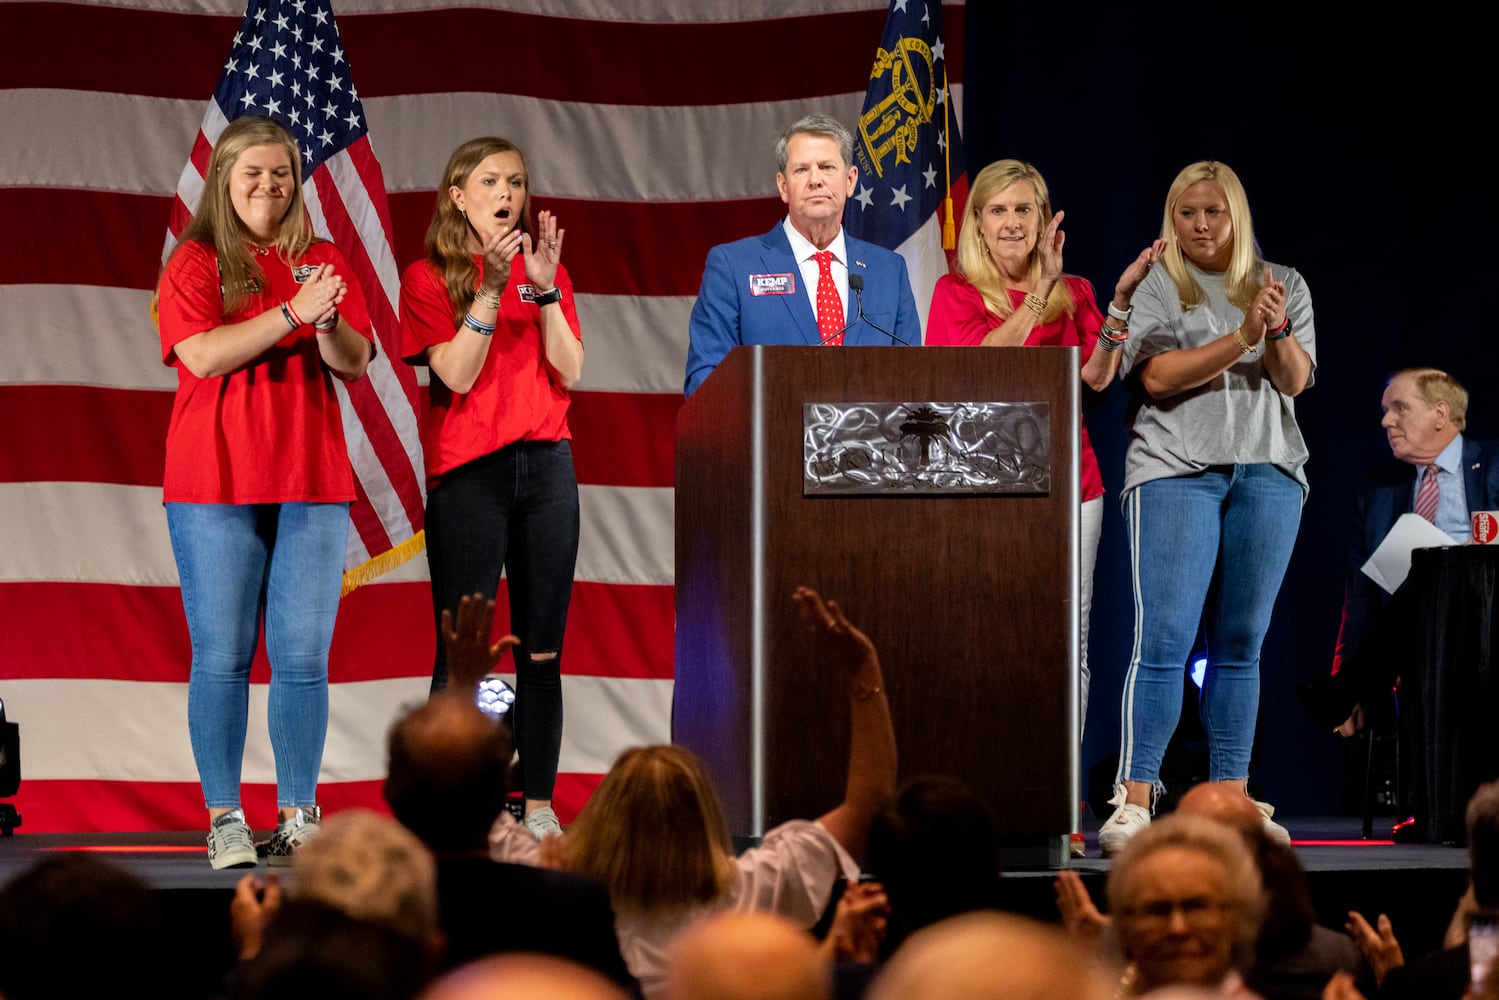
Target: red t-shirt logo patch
(772, 284)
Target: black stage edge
(1416, 884)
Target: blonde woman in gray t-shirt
(1221, 343)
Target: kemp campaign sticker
(772, 284)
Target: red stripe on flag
(99, 806)
(609, 61)
(613, 630)
(53, 434)
(626, 261)
(619, 438)
(372, 531)
(624, 438)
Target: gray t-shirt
(1238, 417)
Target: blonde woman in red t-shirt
(258, 315)
(490, 311)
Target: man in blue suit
(771, 290)
(1425, 412)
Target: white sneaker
(1273, 830)
(543, 823)
(230, 842)
(1128, 820)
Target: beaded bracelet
(1112, 343)
(482, 329)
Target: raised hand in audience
(1340, 987)
(858, 924)
(1082, 919)
(470, 654)
(255, 903)
(1379, 947)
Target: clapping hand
(859, 924)
(1124, 289)
(1379, 947)
(544, 256)
(1268, 311)
(1049, 249)
(470, 654)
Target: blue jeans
(515, 509)
(235, 561)
(1209, 548)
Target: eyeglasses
(1195, 910)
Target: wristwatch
(547, 298)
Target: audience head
(1225, 803)
(448, 771)
(815, 175)
(313, 949)
(935, 849)
(1483, 844)
(1007, 199)
(1187, 902)
(654, 832)
(746, 956)
(1424, 409)
(523, 976)
(72, 923)
(373, 869)
(992, 956)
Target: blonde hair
(371, 868)
(1435, 386)
(1218, 841)
(654, 832)
(1241, 280)
(448, 232)
(216, 224)
(974, 262)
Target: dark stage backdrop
(1356, 139)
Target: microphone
(856, 282)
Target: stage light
(1199, 667)
(495, 696)
(10, 772)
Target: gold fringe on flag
(383, 563)
(949, 230)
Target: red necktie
(829, 308)
(1426, 496)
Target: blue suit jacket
(727, 315)
(1387, 494)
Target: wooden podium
(970, 598)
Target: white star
(311, 71)
(255, 44)
(335, 83)
(295, 116)
(900, 198)
(930, 173)
(307, 155)
(320, 16)
(327, 137)
(260, 17)
(338, 54)
(231, 66)
(281, 21)
(938, 50)
(296, 89)
(297, 33)
(942, 94)
(317, 44)
(865, 197)
(941, 140)
(237, 37)
(272, 107)
(296, 60)
(353, 120)
(278, 50)
(926, 16)
(900, 5)
(248, 100)
(330, 110)
(299, 6)
(275, 78)
(252, 71)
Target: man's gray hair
(821, 125)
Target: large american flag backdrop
(648, 126)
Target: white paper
(1391, 562)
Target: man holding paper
(1440, 476)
